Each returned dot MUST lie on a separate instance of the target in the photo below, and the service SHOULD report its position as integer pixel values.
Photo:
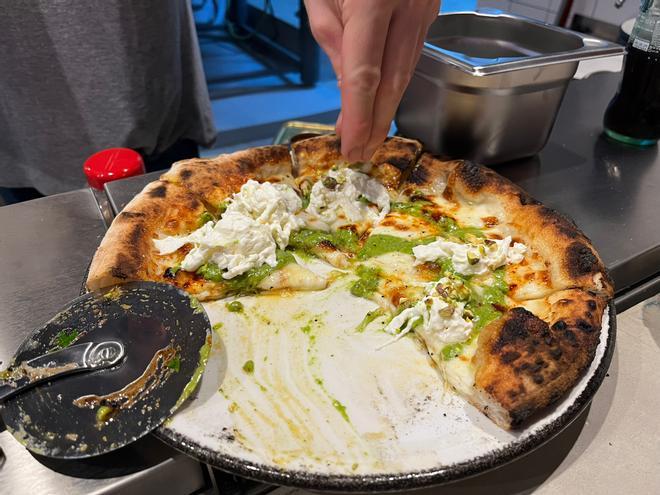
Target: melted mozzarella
(260, 217)
(342, 202)
(460, 372)
(169, 244)
(295, 277)
(471, 259)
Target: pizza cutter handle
(73, 359)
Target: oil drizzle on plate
(156, 372)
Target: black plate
(145, 317)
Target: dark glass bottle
(633, 116)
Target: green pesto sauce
(341, 408)
(309, 239)
(451, 351)
(368, 318)
(447, 225)
(204, 352)
(484, 304)
(235, 306)
(217, 326)
(247, 282)
(65, 338)
(413, 208)
(367, 283)
(174, 363)
(205, 218)
(248, 367)
(378, 244)
(495, 292)
(195, 304)
(103, 413)
(222, 207)
(210, 271)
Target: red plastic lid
(112, 164)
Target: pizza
(506, 295)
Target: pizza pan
(296, 393)
(164, 335)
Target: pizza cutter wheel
(106, 370)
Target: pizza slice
(486, 272)
(562, 258)
(168, 234)
(526, 360)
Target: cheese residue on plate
(472, 259)
(345, 194)
(258, 219)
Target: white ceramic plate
(324, 409)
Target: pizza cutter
(106, 370)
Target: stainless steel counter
(612, 191)
(46, 246)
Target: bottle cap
(112, 164)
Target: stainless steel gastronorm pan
(488, 84)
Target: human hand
(373, 46)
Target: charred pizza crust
(315, 156)
(569, 256)
(127, 252)
(524, 361)
(214, 180)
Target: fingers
(405, 39)
(373, 46)
(365, 33)
(396, 70)
(326, 25)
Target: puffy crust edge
(215, 179)
(524, 363)
(126, 251)
(390, 162)
(573, 260)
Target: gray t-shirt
(77, 76)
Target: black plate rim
(407, 480)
